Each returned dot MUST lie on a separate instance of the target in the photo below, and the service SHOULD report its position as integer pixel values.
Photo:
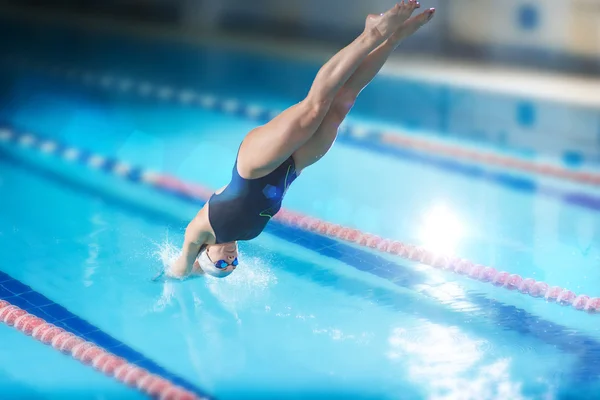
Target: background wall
(552, 34)
(556, 34)
(548, 35)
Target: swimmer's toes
(427, 15)
(414, 4)
(413, 24)
(407, 8)
(394, 19)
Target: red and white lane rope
(457, 265)
(499, 160)
(491, 275)
(89, 354)
(461, 266)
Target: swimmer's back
(243, 209)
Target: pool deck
(582, 91)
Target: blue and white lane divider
(72, 154)
(420, 150)
(350, 133)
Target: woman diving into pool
(271, 156)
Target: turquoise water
(291, 322)
(31, 370)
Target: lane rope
(173, 185)
(190, 97)
(91, 355)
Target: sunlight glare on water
(444, 359)
(442, 230)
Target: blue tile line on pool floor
(582, 346)
(369, 139)
(586, 348)
(24, 297)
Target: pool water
(302, 317)
(56, 376)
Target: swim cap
(209, 267)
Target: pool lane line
(349, 133)
(37, 316)
(362, 138)
(192, 191)
(583, 347)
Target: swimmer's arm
(194, 242)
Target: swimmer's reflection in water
(271, 157)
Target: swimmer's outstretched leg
(323, 139)
(266, 147)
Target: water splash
(91, 262)
(252, 279)
(166, 298)
(167, 253)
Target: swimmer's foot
(412, 25)
(386, 24)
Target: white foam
(167, 253)
(251, 278)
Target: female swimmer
(271, 156)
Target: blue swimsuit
(244, 208)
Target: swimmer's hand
(194, 242)
(179, 270)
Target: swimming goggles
(222, 264)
